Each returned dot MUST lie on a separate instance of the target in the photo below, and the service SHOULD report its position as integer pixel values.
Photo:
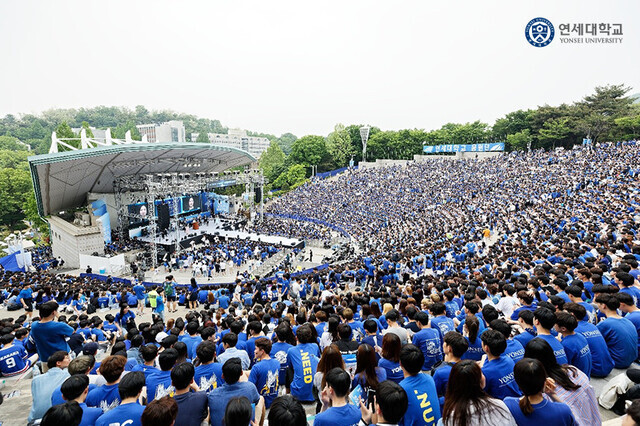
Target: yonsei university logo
(539, 32)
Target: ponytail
(525, 405)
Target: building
(237, 138)
(171, 131)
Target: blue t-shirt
(428, 340)
(622, 340)
(601, 361)
(347, 415)
(423, 408)
(392, 369)
(558, 350)
(223, 301)
(146, 369)
(441, 379)
(89, 415)
(443, 325)
(125, 414)
(138, 289)
(303, 359)
(50, 337)
(159, 385)
(500, 382)
(578, 353)
(279, 351)
(192, 408)
(106, 397)
(208, 376)
(525, 337)
(633, 292)
(546, 412)
(514, 350)
(12, 360)
(220, 397)
(265, 375)
(474, 351)
(192, 343)
(634, 317)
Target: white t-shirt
(507, 305)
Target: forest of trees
(607, 114)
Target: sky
(302, 67)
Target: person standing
(26, 298)
(170, 293)
(138, 290)
(48, 334)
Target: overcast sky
(300, 66)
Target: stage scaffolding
(163, 186)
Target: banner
(100, 209)
(476, 147)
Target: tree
(519, 141)
(121, 130)
(628, 127)
(63, 131)
(30, 209)
(12, 144)
(339, 146)
(15, 185)
(87, 129)
(308, 151)
(293, 177)
(272, 161)
(286, 141)
(203, 137)
(554, 132)
(599, 110)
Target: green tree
(554, 132)
(203, 137)
(628, 127)
(286, 141)
(30, 209)
(339, 146)
(271, 161)
(12, 144)
(15, 185)
(308, 151)
(598, 111)
(63, 131)
(293, 177)
(87, 129)
(121, 130)
(519, 141)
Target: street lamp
(364, 135)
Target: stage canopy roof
(61, 180)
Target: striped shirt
(582, 401)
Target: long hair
(330, 359)
(530, 376)
(473, 325)
(332, 328)
(391, 346)
(541, 350)
(375, 309)
(366, 363)
(465, 396)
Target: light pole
(364, 135)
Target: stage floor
(213, 228)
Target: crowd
(290, 228)
(485, 293)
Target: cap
(160, 336)
(90, 348)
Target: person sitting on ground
(193, 408)
(497, 367)
(423, 407)
(454, 346)
(14, 359)
(68, 414)
(389, 408)
(229, 342)
(466, 403)
(159, 383)
(619, 333)
(532, 408)
(42, 386)
(76, 388)
(287, 411)
(107, 396)
(232, 387)
(335, 407)
(160, 412)
(129, 411)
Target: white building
(171, 131)
(237, 138)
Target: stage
(208, 231)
